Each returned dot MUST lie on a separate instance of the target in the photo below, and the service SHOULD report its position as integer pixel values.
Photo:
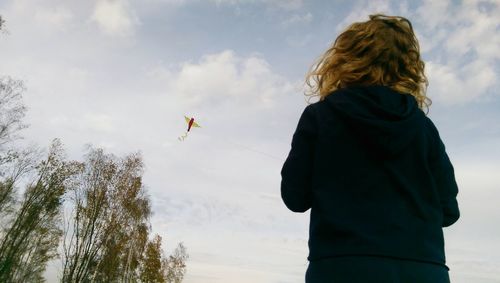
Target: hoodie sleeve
(296, 173)
(444, 175)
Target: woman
(370, 164)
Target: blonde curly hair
(381, 51)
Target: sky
(121, 74)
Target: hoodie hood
(385, 120)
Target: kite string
(252, 149)
(257, 151)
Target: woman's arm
(444, 175)
(447, 187)
(297, 170)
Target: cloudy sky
(120, 74)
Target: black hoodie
(374, 171)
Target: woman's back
(373, 177)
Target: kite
(191, 123)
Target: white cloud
(115, 17)
(286, 5)
(462, 40)
(225, 76)
(456, 86)
(476, 31)
(361, 11)
(98, 122)
(55, 17)
(432, 13)
(297, 19)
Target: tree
(31, 237)
(12, 110)
(28, 233)
(109, 221)
(14, 165)
(174, 268)
(152, 265)
(84, 241)
(106, 234)
(128, 220)
(157, 269)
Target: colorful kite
(191, 123)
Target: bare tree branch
(12, 110)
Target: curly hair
(381, 51)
